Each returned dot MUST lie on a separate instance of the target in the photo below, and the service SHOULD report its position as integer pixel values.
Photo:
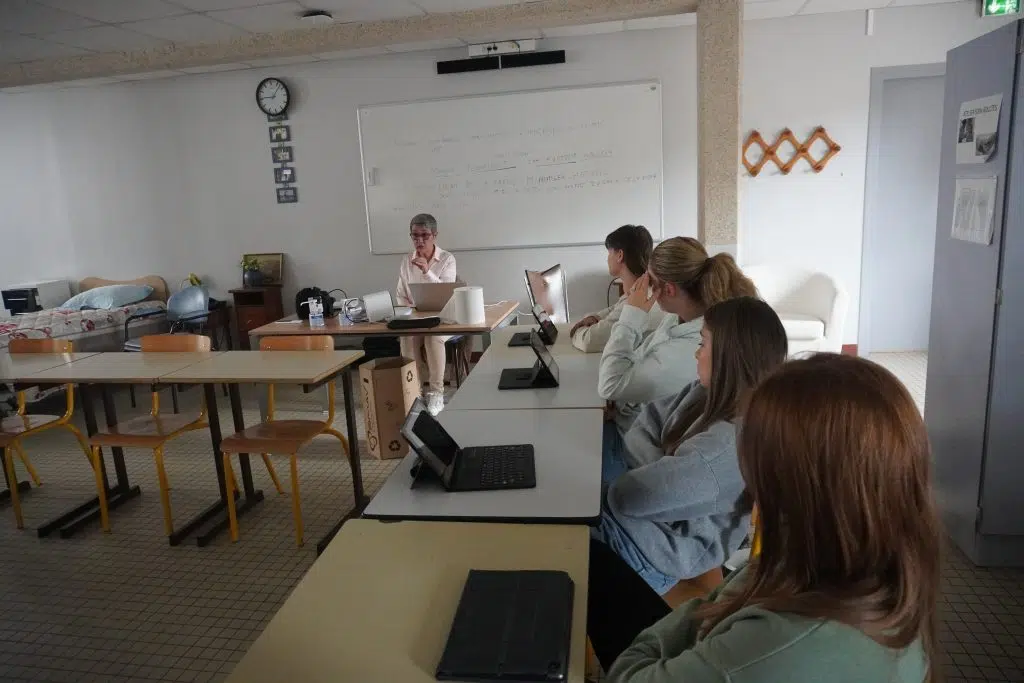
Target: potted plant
(251, 274)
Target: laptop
(510, 626)
(432, 296)
(479, 468)
(548, 332)
(543, 374)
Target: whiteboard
(540, 168)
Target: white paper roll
(467, 305)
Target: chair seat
(143, 431)
(133, 345)
(802, 327)
(279, 436)
(14, 426)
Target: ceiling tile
(210, 5)
(188, 28)
(586, 30)
(213, 68)
(15, 48)
(117, 11)
(438, 6)
(512, 34)
(280, 16)
(823, 6)
(353, 54)
(662, 22)
(22, 16)
(425, 45)
(105, 39)
(366, 10)
(771, 9)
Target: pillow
(111, 296)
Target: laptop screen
(543, 354)
(429, 439)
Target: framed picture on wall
(271, 265)
(282, 155)
(280, 133)
(287, 195)
(284, 174)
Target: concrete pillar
(720, 60)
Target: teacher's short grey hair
(426, 220)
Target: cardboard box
(389, 387)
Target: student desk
(567, 457)
(577, 383)
(378, 604)
(339, 326)
(562, 346)
(105, 369)
(309, 368)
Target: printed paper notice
(977, 134)
(974, 212)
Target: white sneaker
(435, 403)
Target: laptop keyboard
(504, 465)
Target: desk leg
(357, 470)
(485, 340)
(239, 420)
(23, 486)
(216, 515)
(80, 516)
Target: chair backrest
(189, 303)
(790, 289)
(40, 346)
(548, 289)
(311, 342)
(174, 343)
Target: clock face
(272, 96)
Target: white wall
(173, 176)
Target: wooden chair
(154, 430)
(281, 436)
(15, 428)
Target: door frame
(879, 76)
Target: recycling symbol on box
(394, 446)
(408, 375)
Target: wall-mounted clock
(272, 96)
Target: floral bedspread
(55, 323)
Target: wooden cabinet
(254, 307)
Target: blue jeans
(613, 462)
(609, 532)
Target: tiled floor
(124, 606)
(912, 369)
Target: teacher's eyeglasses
(420, 236)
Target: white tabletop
(577, 383)
(567, 456)
(378, 604)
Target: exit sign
(998, 8)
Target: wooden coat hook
(800, 151)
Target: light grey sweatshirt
(680, 509)
(592, 339)
(637, 367)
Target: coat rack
(802, 151)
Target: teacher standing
(427, 263)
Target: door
(964, 290)
(899, 241)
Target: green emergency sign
(998, 8)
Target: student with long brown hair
(835, 455)
(676, 509)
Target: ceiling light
(316, 16)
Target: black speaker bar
(509, 61)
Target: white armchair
(812, 305)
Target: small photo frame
(277, 117)
(284, 174)
(280, 133)
(282, 155)
(287, 195)
(271, 265)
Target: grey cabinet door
(964, 286)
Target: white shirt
(441, 268)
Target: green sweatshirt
(757, 646)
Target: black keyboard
(414, 323)
(506, 465)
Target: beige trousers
(416, 347)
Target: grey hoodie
(682, 510)
(637, 367)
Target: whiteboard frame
(592, 86)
